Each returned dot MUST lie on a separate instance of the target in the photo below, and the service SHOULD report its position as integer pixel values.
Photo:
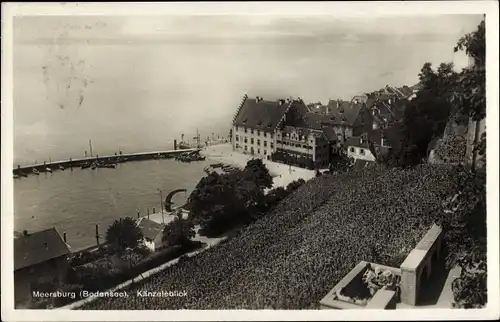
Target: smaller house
(360, 148)
(152, 233)
(40, 260)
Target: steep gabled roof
(330, 134)
(261, 114)
(345, 111)
(150, 229)
(316, 121)
(38, 247)
(360, 141)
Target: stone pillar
(409, 286)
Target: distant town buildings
(40, 263)
(287, 130)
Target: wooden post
(97, 235)
(148, 213)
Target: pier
(140, 156)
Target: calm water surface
(75, 201)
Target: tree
(124, 233)
(219, 202)
(471, 99)
(294, 185)
(339, 161)
(178, 232)
(256, 171)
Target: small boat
(85, 166)
(48, 170)
(61, 167)
(93, 166)
(16, 176)
(35, 171)
(106, 165)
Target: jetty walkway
(54, 165)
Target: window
(246, 148)
(258, 133)
(352, 150)
(251, 140)
(237, 138)
(265, 152)
(265, 143)
(251, 131)
(272, 135)
(245, 140)
(362, 151)
(278, 141)
(304, 146)
(245, 130)
(272, 145)
(258, 142)
(258, 151)
(265, 134)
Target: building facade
(303, 147)
(40, 263)
(258, 121)
(359, 148)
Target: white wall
(357, 153)
(267, 143)
(149, 244)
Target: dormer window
(260, 123)
(270, 125)
(244, 121)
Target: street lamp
(161, 206)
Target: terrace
(420, 281)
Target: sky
(136, 83)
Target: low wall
(384, 300)
(419, 261)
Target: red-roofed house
(39, 258)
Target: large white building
(257, 122)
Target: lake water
(75, 201)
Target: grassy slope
(292, 257)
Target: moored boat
(16, 176)
(48, 170)
(61, 167)
(85, 166)
(35, 171)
